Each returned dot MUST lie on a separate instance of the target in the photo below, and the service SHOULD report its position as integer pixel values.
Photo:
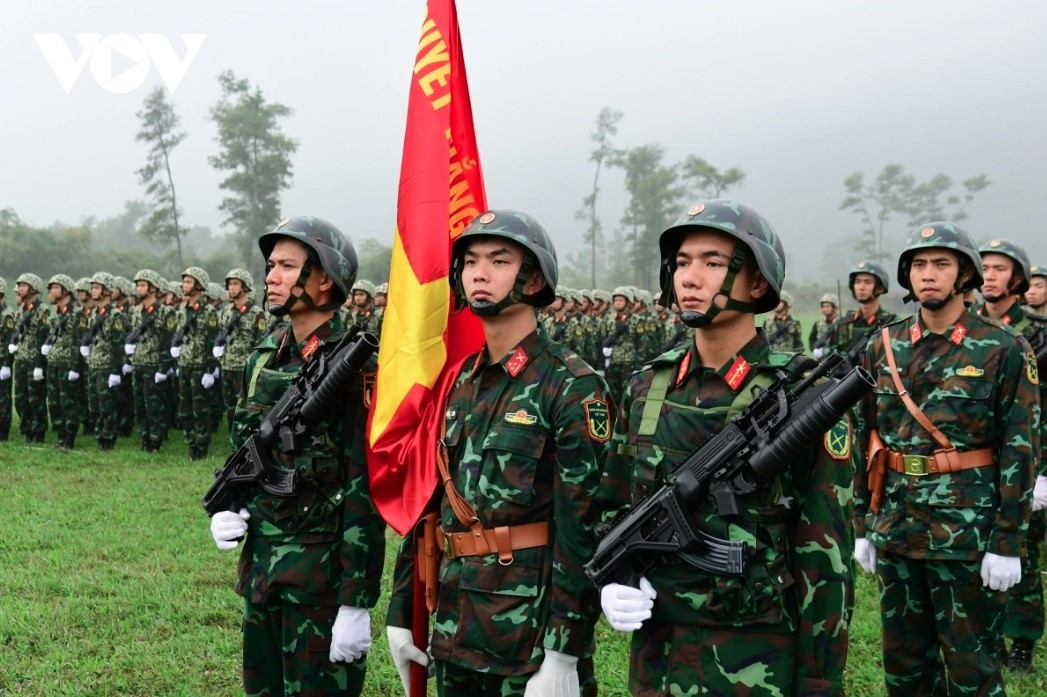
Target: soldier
(8, 322)
(782, 329)
(123, 296)
(783, 627)
(867, 282)
(191, 347)
(364, 312)
(618, 347)
(1005, 270)
(173, 299)
(822, 331)
(103, 347)
(66, 370)
(1036, 295)
(30, 366)
(83, 296)
(147, 345)
(311, 565)
(85, 306)
(941, 513)
(527, 423)
(245, 325)
(381, 294)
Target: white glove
(5, 372)
(556, 677)
(12, 348)
(607, 351)
(626, 607)
(216, 372)
(38, 374)
(1000, 573)
(45, 349)
(176, 351)
(818, 353)
(1039, 494)
(865, 554)
(351, 634)
(218, 351)
(114, 380)
(207, 381)
(403, 651)
(159, 377)
(73, 376)
(129, 349)
(228, 527)
(85, 351)
(127, 369)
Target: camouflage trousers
(125, 405)
(455, 681)
(682, 660)
(194, 407)
(30, 400)
(150, 408)
(101, 404)
(232, 382)
(1025, 612)
(941, 627)
(286, 650)
(5, 406)
(65, 399)
(217, 395)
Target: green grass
(111, 586)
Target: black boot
(151, 446)
(105, 444)
(197, 452)
(1020, 658)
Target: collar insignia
(516, 362)
(958, 332)
(310, 347)
(737, 372)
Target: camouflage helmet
(830, 298)
(947, 236)
(871, 268)
(31, 280)
(587, 294)
(602, 295)
(104, 279)
(381, 289)
(1016, 254)
(786, 297)
(624, 291)
(84, 284)
(175, 288)
(328, 245)
(198, 275)
(746, 226)
(643, 295)
(3, 286)
(564, 292)
(63, 280)
(1034, 271)
(523, 230)
(152, 278)
(124, 286)
(364, 285)
(215, 291)
(242, 275)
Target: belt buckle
(915, 465)
(448, 544)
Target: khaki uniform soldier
(8, 323)
(30, 366)
(191, 346)
(66, 369)
(244, 326)
(103, 347)
(867, 282)
(822, 332)
(942, 511)
(152, 365)
(783, 331)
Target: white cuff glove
(865, 554)
(12, 348)
(216, 372)
(127, 369)
(227, 528)
(607, 351)
(114, 380)
(1000, 573)
(818, 353)
(176, 351)
(556, 677)
(403, 651)
(73, 376)
(159, 377)
(351, 634)
(38, 374)
(1039, 494)
(218, 351)
(85, 351)
(45, 349)
(207, 381)
(129, 349)
(5, 372)
(626, 607)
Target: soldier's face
(54, 292)
(21, 291)
(233, 288)
(557, 304)
(142, 289)
(828, 310)
(489, 271)
(933, 274)
(284, 266)
(96, 291)
(188, 284)
(997, 271)
(1037, 293)
(361, 299)
(379, 300)
(620, 301)
(864, 286)
(83, 295)
(701, 267)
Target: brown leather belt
(501, 540)
(941, 462)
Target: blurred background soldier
(103, 347)
(191, 346)
(618, 346)
(245, 325)
(867, 282)
(381, 294)
(147, 346)
(30, 366)
(8, 322)
(66, 370)
(822, 331)
(123, 299)
(364, 312)
(782, 329)
(1036, 295)
(86, 308)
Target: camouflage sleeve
(40, 332)
(615, 492)
(400, 601)
(117, 333)
(797, 335)
(244, 421)
(165, 327)
(864, 418)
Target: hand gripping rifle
(184, 331)
(308, 399)
(612, 341)
(88, 337)
(757, 445)
(229, 329)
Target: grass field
(110, 585)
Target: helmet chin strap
(486, 308)
(283, 309)
(697, 320)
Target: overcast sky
(798, 94)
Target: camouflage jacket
(798, 527)
(246, 326)
(109, 329)
(821, 335)
(154, 324)
(977, 382)
(784, 335)
(370, 320)
(526, 437)
(35, 323)
(202, 322)
(626, 347)
(851, 328)
(325, 545)
(68, 325)
(8, 323)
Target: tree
(161, 131)
(707, 181)
(257, 156)
(374, 259)
(606, 126)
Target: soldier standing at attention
(245, 325)
(196, 364)
(30, 366)
(527, 423)
(8, 322)
(942, 510)
(782, 330)
(381, 295)
(105, 359)
(123, 299)
(364, 311)
(311, 565)
(151, 363)
(65, 365)
(782, 627)
(1036, 295)
(867, 282)
(821, 332)
(618, 344)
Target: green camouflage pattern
(822, 334)
(364, 285)
(332, 247)
(151, 277)
(786, 620)
(851, 327)
(196, 351)
(197, 274)
(64, 281)
(251, 325)
(69, 325)
(33, 281)
(104, 279)
(35, 330)
(526, 437)
(945, 236)
(1024, 618)
(785, 335)
(30, 396)
(8, 323)
(107, 348)
(1015, 253)
(242, 275)
(152, 356)
(66, 399)
(151, 349)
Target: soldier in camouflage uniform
(381, 295)
(86, 308)
(8, 323)
(311, 565)
(30, 366)
(103, 347)
(618, 343)
(1005, 270)
(822, 332)
(147, 349)
(783, 331)
(365, 313)
(782, 627)
(527, 423)
(245, 325)
(66, 370)
(173, 299)
(942, 511)
(123, 296)
(196, 364)
(1036, 295)
(867, 282)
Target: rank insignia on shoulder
(521, 417)
(597, 420)
(969, 371)
(838, 440)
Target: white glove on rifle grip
(404, 652)
(159, 377)
(557, 676)
(218, 351)
(114, 380)
(607, 351)
(351, 634)
(129, 349)
(85, 351)
(73, 376)
(1000, 573)
(626, 607)
(45, 349)
(176, 351)
(227, 527)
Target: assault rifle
(674, 340)
(16, 338)
(142, 328)
(229, 329)
(612, 341)
(88, 337)
(854, 352)
(1038, 341)
(777, 334)
(756, 446)
(308, 399)
(56, 331)
(184, 331)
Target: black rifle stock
(309, 398)
(229, 329)
(142, 328)
(56, 331)
(754, 447)
(1038, 341)
(612, 341)
(183, 332)
(88, 337)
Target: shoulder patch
(1032, 371)
(261, 324)
(597, 420)
(118, 322)
(837, 440)
(212, 320)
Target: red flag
(441, 191)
